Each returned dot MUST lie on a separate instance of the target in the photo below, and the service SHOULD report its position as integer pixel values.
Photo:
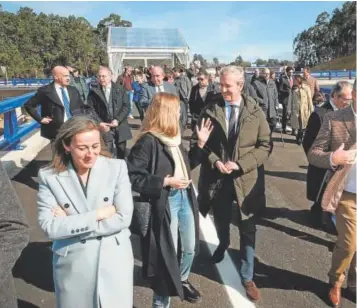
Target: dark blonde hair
(71, 128)
(163, 115)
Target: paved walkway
(292, 258)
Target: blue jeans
(131, 96)
(182, 221)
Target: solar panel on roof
(146, 38)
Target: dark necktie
(232, 130)
(66, 105)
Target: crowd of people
(85, 201)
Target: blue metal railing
(13, 132)
(26, 82)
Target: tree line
(32, 44)
(240, 62)
(331, 37)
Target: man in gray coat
(156, 85)
(13, 238)
(267, 96)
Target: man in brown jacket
(231, 168)
(334, 149)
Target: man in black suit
(111, 106)
(59, 101)
(14, 237)
(341, 97)
(285, 86)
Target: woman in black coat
(171, 194)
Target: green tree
(331, 36)
(215, 61)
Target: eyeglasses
(200, 79)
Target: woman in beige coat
(301, 107)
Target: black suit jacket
(119, 102)
(52, 107)
(14, 236)
(284, 90)
(196, 102)
(315, 175)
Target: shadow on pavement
(303, 167)
(24, 304)
(35, 266)
(287, 175)
(270, 277)
(296, 233)
(29, 172)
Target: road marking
(226, 269)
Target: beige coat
(301, 107)
(338, 127)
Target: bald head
(61, 75)
(157, 75)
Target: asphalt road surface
(292, 258)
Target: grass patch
(348, 63)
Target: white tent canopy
(146, 46)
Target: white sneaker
(130, 116)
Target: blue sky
(214, 29)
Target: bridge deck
(292, 258)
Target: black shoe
(190, 293)
(284, 131)
(218, 255)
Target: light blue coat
(92, 261)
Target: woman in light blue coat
(85, 206)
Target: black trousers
(272, 124)
(140, 110)
(118, 151)
(284, 118)
(222, 214)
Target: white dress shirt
(161, 87)
(106, 91)
(228, 111)
(59, 93)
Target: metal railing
(26, 82)
(13, 131)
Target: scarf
(173, 143)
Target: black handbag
(142, 208)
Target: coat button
(82, 229)
(86, 228)
(77, 230)
(99, 238)
(106, 199)
(72, 231)
(83, 241)
(66, 206)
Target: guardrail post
(350, 74)
(329, 75)
(10, 128)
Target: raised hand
(204, 132)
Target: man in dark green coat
(79, 82)
(230, 171)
